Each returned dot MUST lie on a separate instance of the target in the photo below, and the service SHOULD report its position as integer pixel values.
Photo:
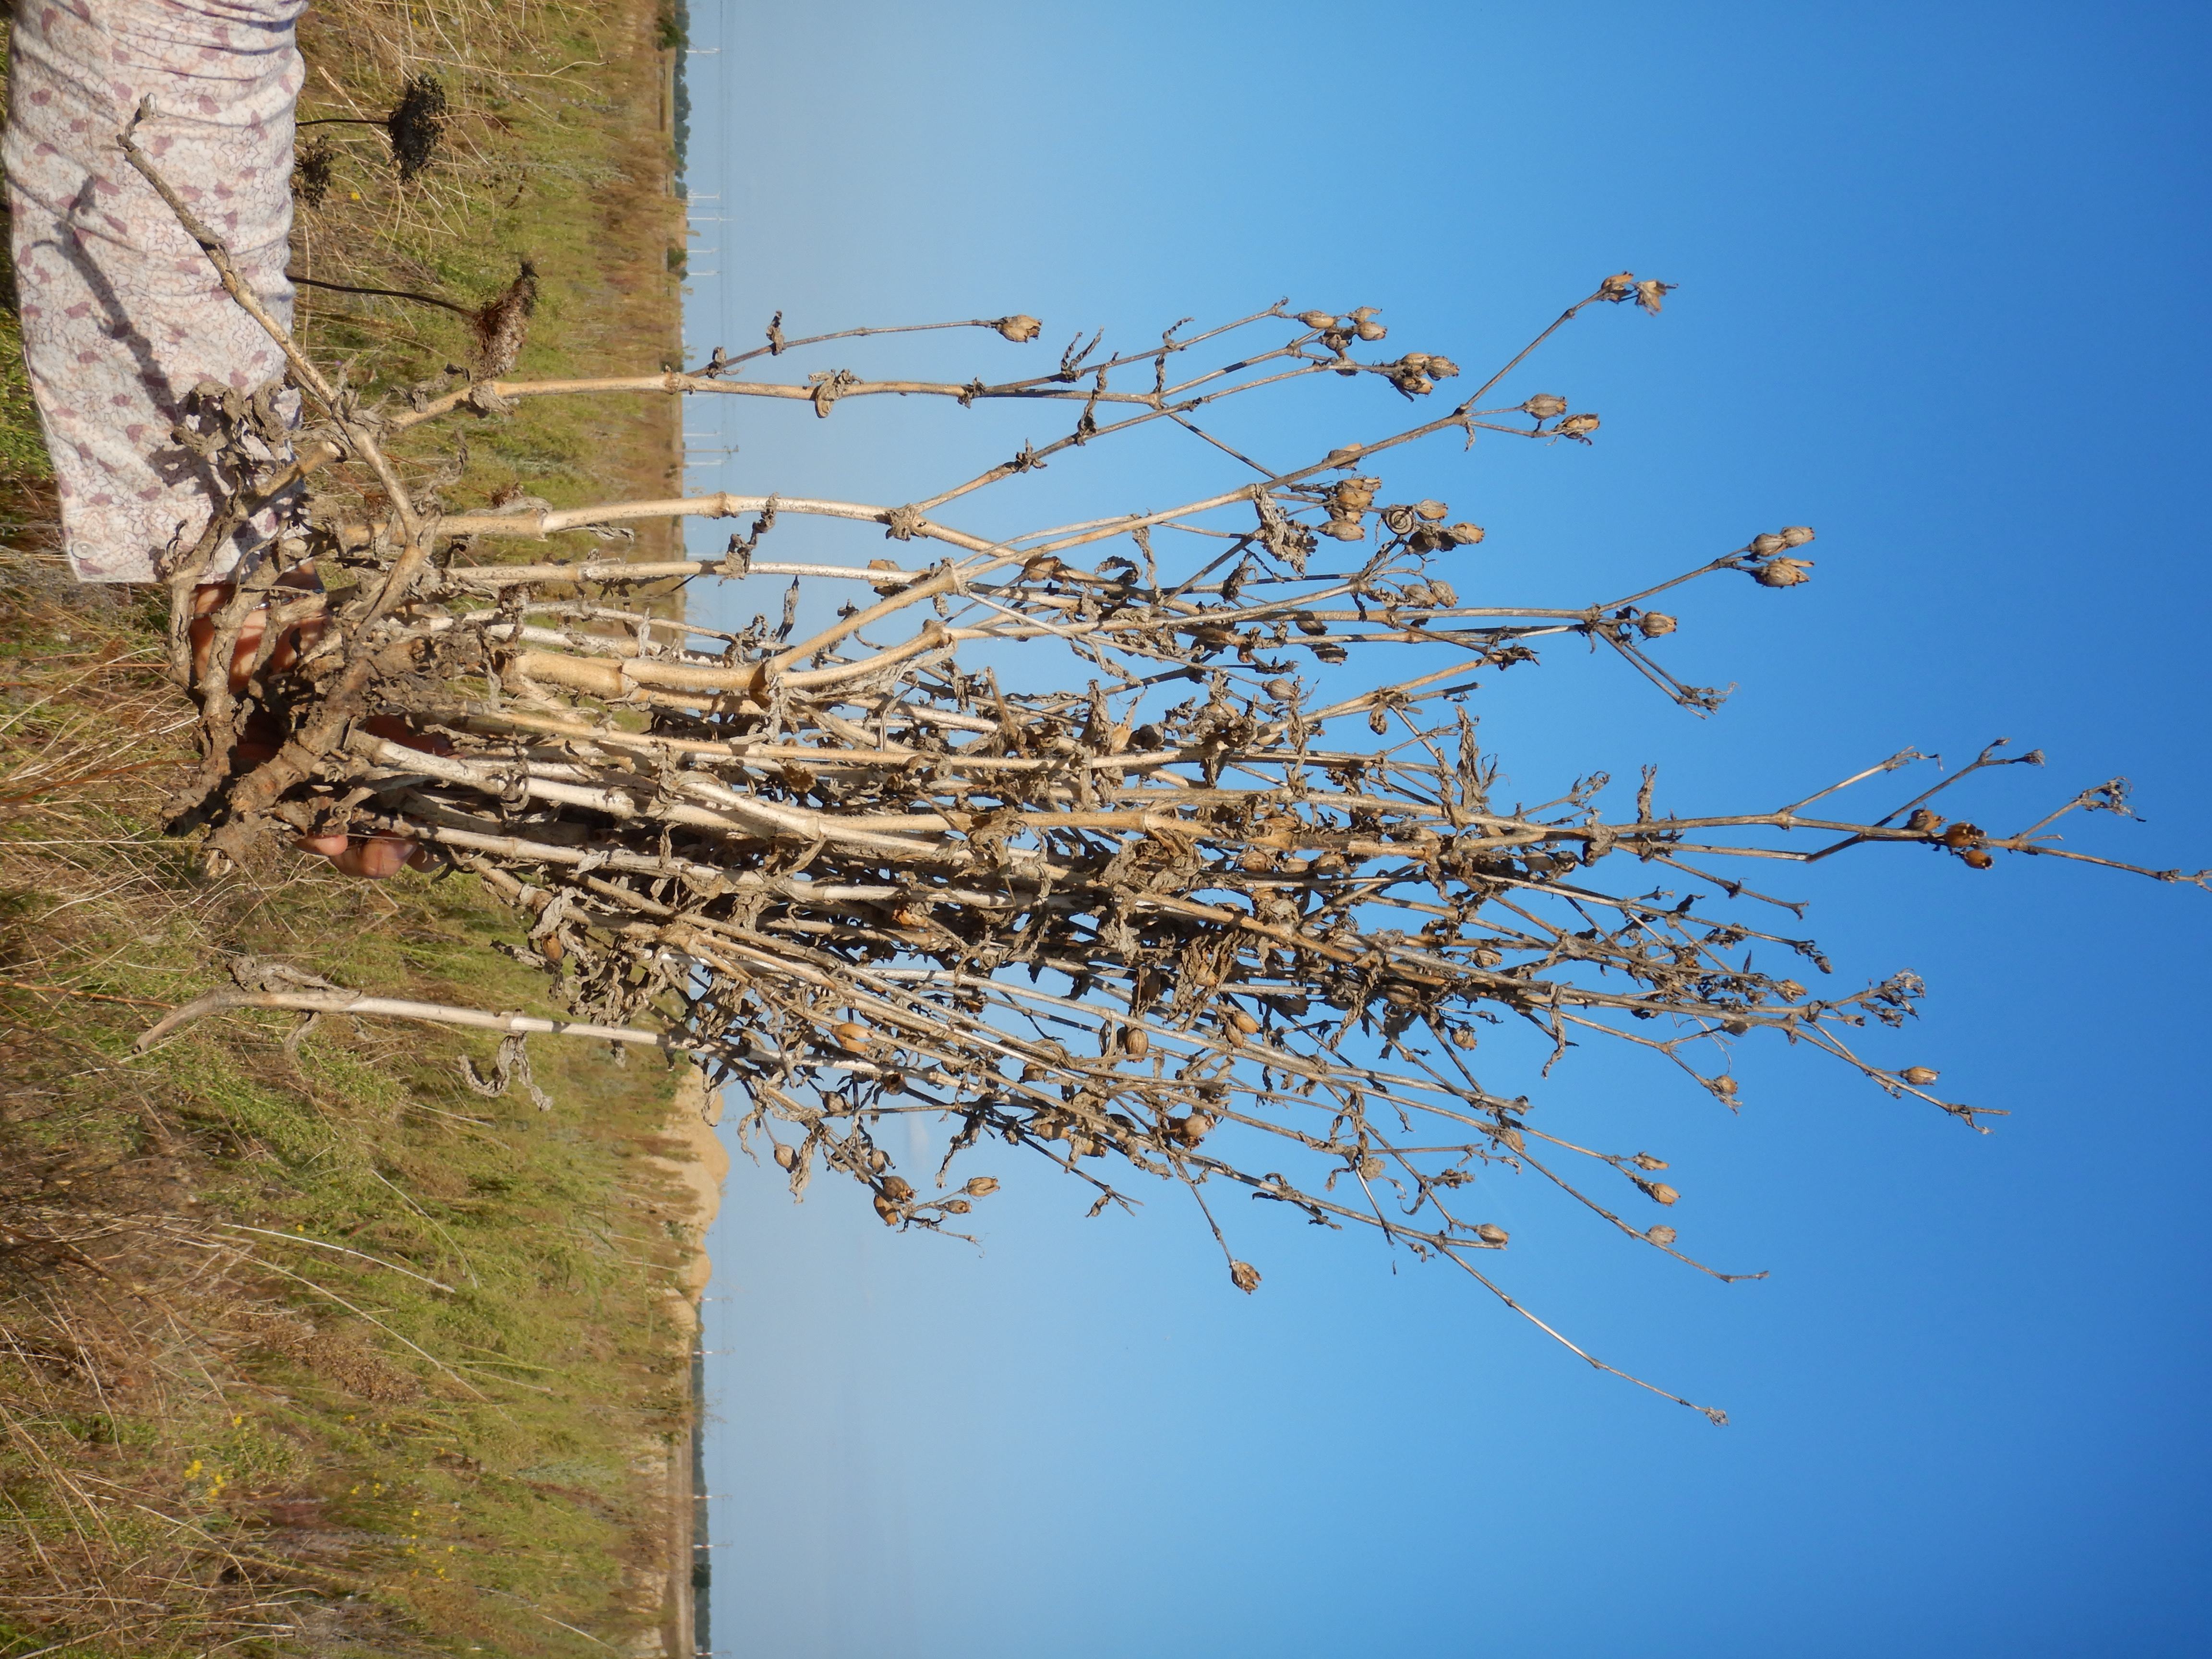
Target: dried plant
(416, 124)
(315, 170)
(501, 325)
(416, 127)
(1163, 913)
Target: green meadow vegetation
(306, 1343)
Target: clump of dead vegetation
(1278, 904)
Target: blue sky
(1942, 273)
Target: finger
(394, 729)
(371, 858)
(205, 600)
(249, 642)
(241, 656)
(301, 636)
(375, 858)
(298, 640)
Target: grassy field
(305, 1344)
(556, 150)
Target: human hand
(373, 858)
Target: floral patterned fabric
(121, 315)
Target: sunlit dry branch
(1168, 911)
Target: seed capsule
(1724, 1087)
(1977, 859)
(1243, 1021)
(1653, 623)
(1578, 426)
(1466, 535)
(786, 1158)
(1659, 1191)
(1662, 1234)
(1431, 510)
(1019, 330)
(1645, 1161)
(1762, 546)
(1463, 1038)
(1190, 1130)
(1920, 1076)
(1782, 572)
(1489, 1233)
(898, 1187)
(1308, 625)
(1370, 331)
(852, 1036)
(1135, 1043)
(1443, 369)
(1343, 529)
(957, 1207)
(1544, 405)
(879, 1160)
(1796, 535)
(1316, 319)
(888, 1210)
(1244, 1276)
(981, 1186)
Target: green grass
(474, 1463)
(569, 168)
(214, 1421)
(23, 459)
(22, 445)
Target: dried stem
(840, 870)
